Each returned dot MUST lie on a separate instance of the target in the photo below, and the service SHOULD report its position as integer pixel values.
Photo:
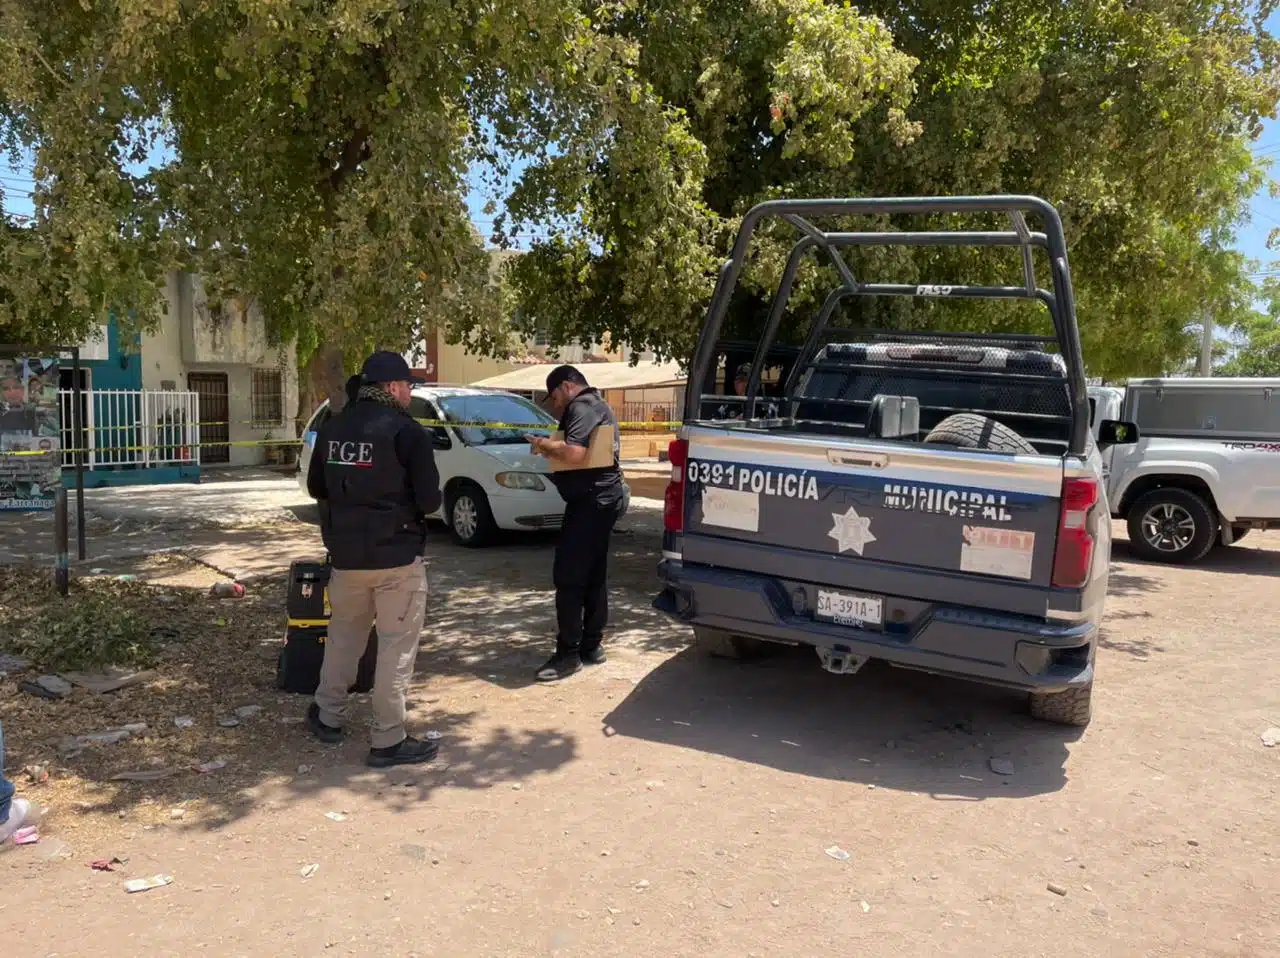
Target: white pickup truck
(1206, 468)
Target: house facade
(246, 387)
(206, 388)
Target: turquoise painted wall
(109, 373)
(122, 370)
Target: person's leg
(596, 600)
(13, 811)
(351, 598)
(6, 787)
(569, 573)
(401, 598)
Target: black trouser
(580, 572)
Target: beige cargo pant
(398, 598)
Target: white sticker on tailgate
(731, 509)
(1003, 552)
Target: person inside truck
(734, 410)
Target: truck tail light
(1076, 540)
(673, 500)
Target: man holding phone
(594, 500)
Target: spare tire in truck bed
(969, 431)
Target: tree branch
(52, 72)
(354, 152)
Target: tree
(1256, 337)
(1135, 119)
(316, 152)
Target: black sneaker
(410, 751)
(328, 734)
(593, 655)
(559, 666)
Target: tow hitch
(840, 660)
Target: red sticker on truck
(1253, 446)
(1003, 552)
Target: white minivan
(488, 476)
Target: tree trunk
(322, 378)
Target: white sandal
(19, 812)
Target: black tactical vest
(372, 521)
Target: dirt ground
(666, 804)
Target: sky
(1265, 209)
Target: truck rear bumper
(1008, 650)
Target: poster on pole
(30, 433)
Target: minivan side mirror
(440, 438)
(1113, 432)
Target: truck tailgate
(920, 521)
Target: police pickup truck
(932, 500)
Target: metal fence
(662, 411)
(132, 427)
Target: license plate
(845, 609)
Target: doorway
(214, 410)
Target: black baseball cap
(564, 374)
(385, 366)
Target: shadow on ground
(1136, 647)
(1242, 559)
(491, 614)
(884, 727)
(206, 672)
(491, 617)
(297, 769)
(1126, 581)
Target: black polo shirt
(585, 413)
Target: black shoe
(592, 655)
(410, 751)
(325, 733)
(559, 666)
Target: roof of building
(600, 375)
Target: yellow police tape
(260, 424)
(645, 426)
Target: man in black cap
(594, 499)
(375, 481)
(735, 410)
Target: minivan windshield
(494, 408)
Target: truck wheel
(726, 645)
(1171, 525)
(969, 431)
(1072, 707)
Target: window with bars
(542, 334)
(267, 398)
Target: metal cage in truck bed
(1043, 395)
